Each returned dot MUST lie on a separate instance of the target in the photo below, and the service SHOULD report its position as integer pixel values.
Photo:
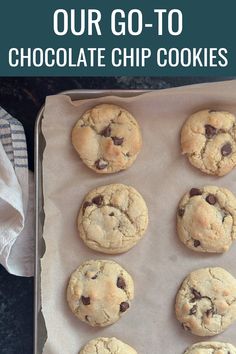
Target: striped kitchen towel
(16, 209)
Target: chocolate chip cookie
(107, 346)
(206, 301)
(107, 138)
(208, 138)
(99, 292)
(112, 218)
(206, 219)
(211, 348)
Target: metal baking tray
(40, 333)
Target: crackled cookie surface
(208, 138)
(99, 292)
(211, 348)
(112, 218)
(206, 301)
(107, 346)
(206, 219)
(107, 138)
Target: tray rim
(77, 94)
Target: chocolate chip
(120, 283)
(210, 312)
(94, 277)
(211, 199)
(106, 131)
(98, 200)
(196, 243)
(124, 306)
(86, 318)
(194, 191)
(196, 294)
(101, 164)
(86, 205)
(181, 212)
(117, 141)
(226, 149)
(210, 131)
(185, 327)
(193, 310)
(111, 214)
(85, 300)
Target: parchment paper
(159, 262)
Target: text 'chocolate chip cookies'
(206, 219)
(206, 301)
(99, 292)
(112, 218)
(107, 138)
(107, 346)
(211, 348)
(208, 138)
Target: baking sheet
(159, 262)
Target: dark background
(22, 98)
